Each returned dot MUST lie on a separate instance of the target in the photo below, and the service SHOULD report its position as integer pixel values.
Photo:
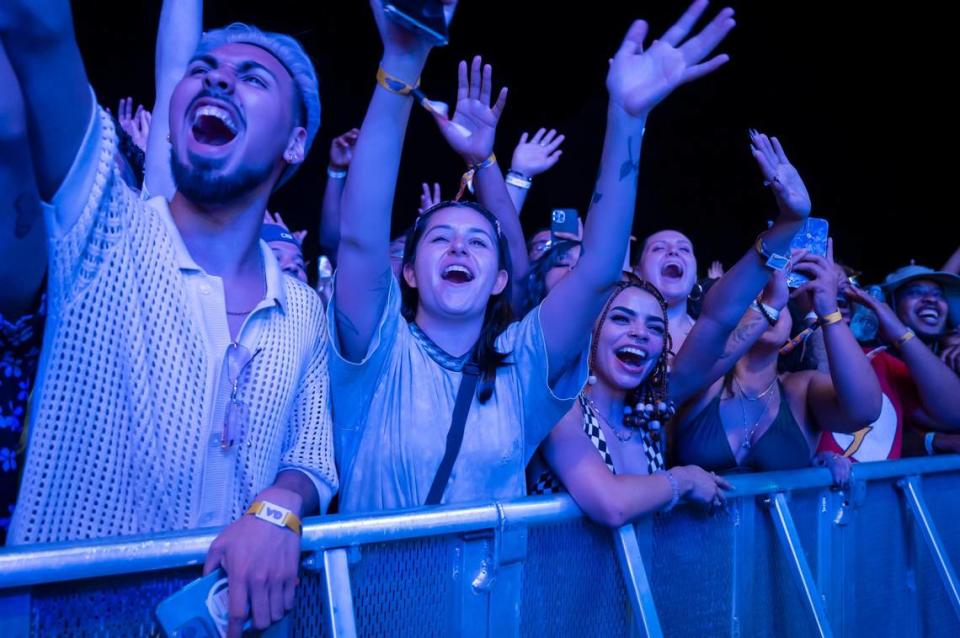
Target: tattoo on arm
(745, 331)
(629, 167)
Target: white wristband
(276, 515)
(336, 173)
(773, 312)
(519, 180)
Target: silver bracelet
(336, 173)
(676, 490)
(515, 178)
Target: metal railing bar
(921, 516)
(646, 620)
(803, 576)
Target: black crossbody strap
(468, 386)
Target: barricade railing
(789, 555)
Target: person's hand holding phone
(261, 561)
(821, 289)
(404, 50)
(565, 223)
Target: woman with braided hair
(621, 414)
(608, 451)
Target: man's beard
(200, 184)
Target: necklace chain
(623, 435)
(263, 272)
(751, 430)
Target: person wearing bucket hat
(926, 300)
(928, 387)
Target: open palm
(472, 129)
(780, 175)
(638, 80)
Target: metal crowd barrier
(788, 556)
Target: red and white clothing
(882, 439)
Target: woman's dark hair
(535, 283)
(499, 314)
(653, 390)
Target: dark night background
(844, 88)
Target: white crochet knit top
(127, 395)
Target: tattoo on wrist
(630, 166)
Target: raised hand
(638, 80)
(539, 154)
(715, 271)
(780, 175)
(273, 218)
(428, 198)
(136, 124)
(341, 149)
(473, 115)
(889, 325)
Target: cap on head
(274, 232)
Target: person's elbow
(602, 505)
(866, 410)
(608, 514)
(37, 23)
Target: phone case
(812, 237)
(201, 610)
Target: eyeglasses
(237, 414)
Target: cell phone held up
(424, 17)
(564, 221)
(812, 238)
